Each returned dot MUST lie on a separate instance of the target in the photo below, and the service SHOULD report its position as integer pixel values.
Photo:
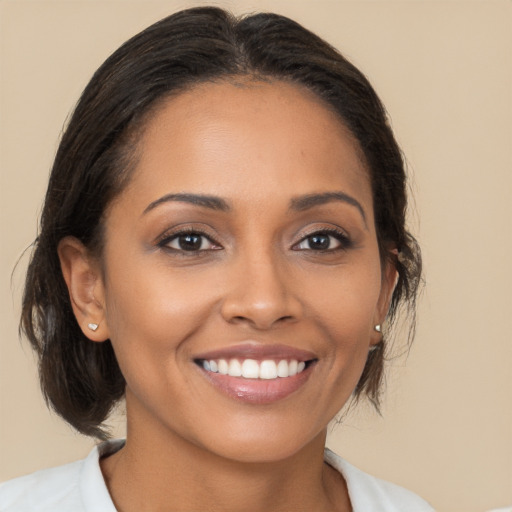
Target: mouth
(268, 369)
(257, 374)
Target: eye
(189, 241)
(326, 240)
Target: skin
(257, 276)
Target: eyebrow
(309, 201)
(212, 202)
(298, 204)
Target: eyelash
(342, 237)
(164, 241)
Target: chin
(263, 445)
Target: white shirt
(79, 487)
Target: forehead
(252, 137)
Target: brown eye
(319, 242)
(189, 242)
(324, 241)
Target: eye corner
(325, 236)
(187, 242)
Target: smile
(252, 369)
(257, 373)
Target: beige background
(443, 69)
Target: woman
(222, 239)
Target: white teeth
(282, 368)
(268, 369)
(235, 368)
(222, 366)
(252, 369)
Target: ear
(388, 284)
(84, 280)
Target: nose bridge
(260, 291)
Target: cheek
(344, 306)
(150, 320)
(345, 300)
(152, 308)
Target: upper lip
(258, 351)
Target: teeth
(268, 370)
(222, 366)
(282, 368)
(252, 369)
(235, 368)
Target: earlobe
(85, 286)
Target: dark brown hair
(80, 379)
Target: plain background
(443, 69)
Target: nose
(261, 293)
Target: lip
(258, 391)
(257, 351)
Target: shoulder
(78, 486)
(369, 494)
(43, 490)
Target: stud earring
(378, 328)
(93, 327)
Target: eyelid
(173, 240)
(163, 240)
(340, 234)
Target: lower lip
(258, 391)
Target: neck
(160, 471)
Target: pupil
(319, 242)
(190, 242)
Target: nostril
(260, 308)
(262, 323)
(288, 318)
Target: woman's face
(245, 242)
